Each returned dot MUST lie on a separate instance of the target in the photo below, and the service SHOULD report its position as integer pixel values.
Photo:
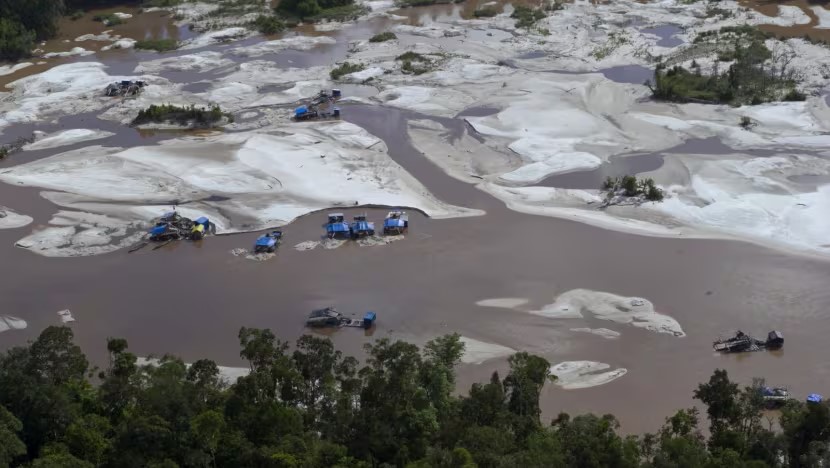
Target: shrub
(383, 37)
(268, 24)
(345, 69)
(76, 15)
(159, 45)
(180, 115)
(16, 42)
(486, 12)
(526, 17)
(411, 56)
(794, 95)
(108, 20)
(630, 186)
(746, 122)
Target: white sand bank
(476, 352)
(7, 322)
(267, 179)
(572, 375)
(66, 137)
(10, 220)
(634, 311)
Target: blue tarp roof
(392, 222)
(202, 220)
(814, 398)
(158, 229)
(265, 240)
(369, 316)
(301, 110)
(337, 227)
(363, 226)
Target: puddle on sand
(478, 111)
(667, 34)
(615, 167)
(532, 55)
(634, 74)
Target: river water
(190, 299)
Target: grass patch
(415, 63)
(108, 20)
(203, 117)
(268, 24)
(345, 69)
(159, 45)
(526, 17)
(383, 37)
(486, 12)
(615, 40)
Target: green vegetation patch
(414, 63)
(383, 37)
(526, 17)
(108, 20)
(344, 69)
(340, 13)
(159, 45)
(320, 10)
(201, 117)
(268, 24)
(630, 186)
(486, 12)
(16, 42)
(753, 77)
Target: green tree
(11, 446)
(88, 438)
(16, 41)
(208, 427)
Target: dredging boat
(743, 343)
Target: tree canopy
(308, 405)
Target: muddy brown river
(190, 299)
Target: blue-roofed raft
(336, 226)
(396, 222)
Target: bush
(383, 37)
(486, 12)
(316, 10)
(4, 152)
(159, 45)
(108, 20)
(746, 122)
(180, 115)
(526, 17)
(794, 95)
(411, 56)
(268, 24)
(76, 15)
(630, 186)
(345, 69)
(16, 42)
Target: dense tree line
(310, 406)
